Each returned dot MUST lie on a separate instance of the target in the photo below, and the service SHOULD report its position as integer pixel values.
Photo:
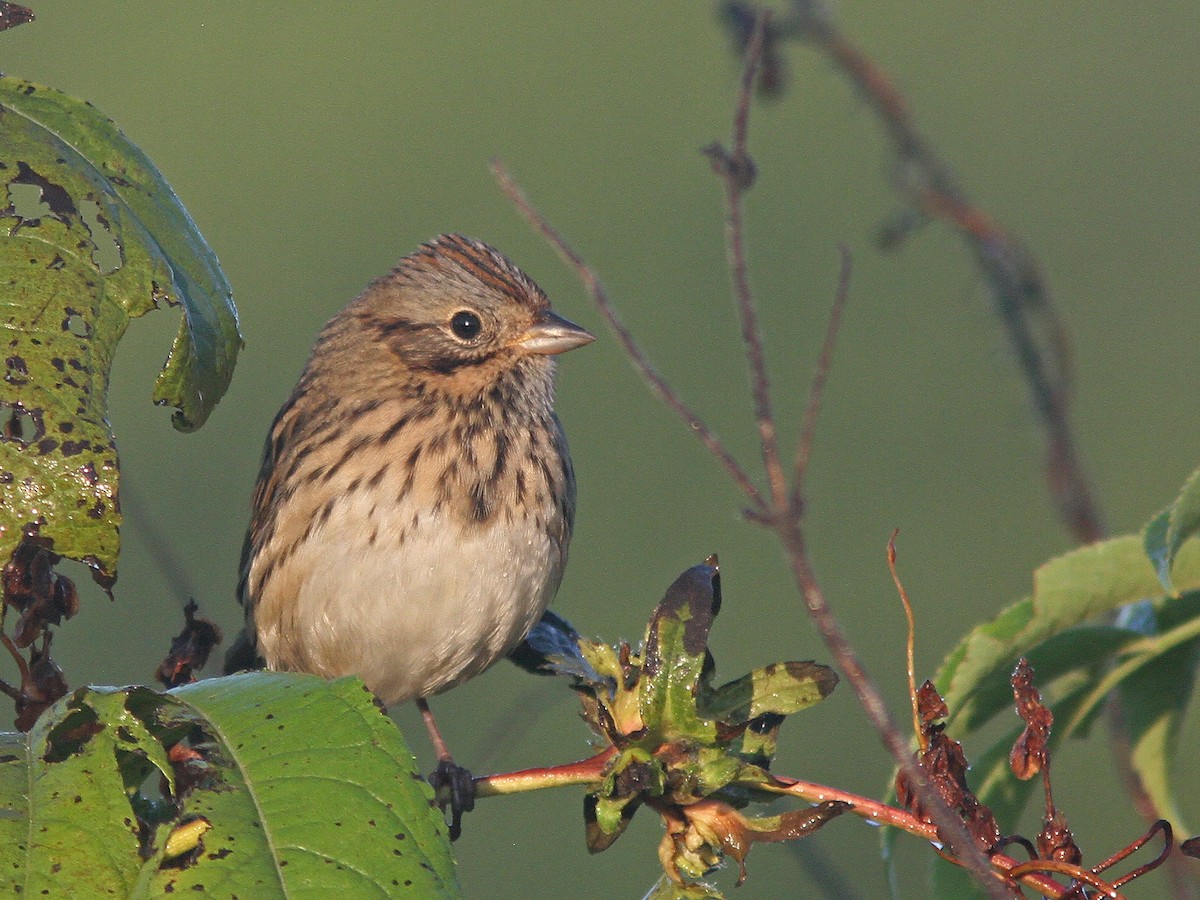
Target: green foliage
(692, 752)
(219, 787)
(1147, 657)
(1167, 531)
(91, 235)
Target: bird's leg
(452, 784)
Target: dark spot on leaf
(694, 600)
(71, 448)
(47, 445)
(53, 195)
(17, 372)
(97, 510)
(58, 363)
(13, 14)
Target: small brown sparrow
(416, 497)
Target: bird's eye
(466, 325)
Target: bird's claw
(453, 787)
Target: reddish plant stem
(589, 772)
(586, 771)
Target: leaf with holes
(219, 788)
(91, 236)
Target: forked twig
(781, 510)
(1019, 293)
(812, 409)
(785, 510)
(641, 362)
(736, 171)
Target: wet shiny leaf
(780, 688)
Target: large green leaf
(304, 789)
(1067, 590)
(91, 235)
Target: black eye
(466, 325)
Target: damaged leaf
(189, 649)
(674, 653)
(91, 236)
(218, 788)
(780, 688)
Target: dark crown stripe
(485, 266)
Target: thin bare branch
(736, 171)
(639, 359)
(816, 390)
(910, 644)
(1019, 292)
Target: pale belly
(414, 613)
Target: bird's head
(457, 308)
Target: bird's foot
(453, 792)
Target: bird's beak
(551, 333)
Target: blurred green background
(316, 144)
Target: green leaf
(1153, 702)
(1085, 650)
(289, 815)
(1067, 590)
(68, 827)
(344, 815)
(91, 235)
(780, 688)
(674, 654)
(1167, 531)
